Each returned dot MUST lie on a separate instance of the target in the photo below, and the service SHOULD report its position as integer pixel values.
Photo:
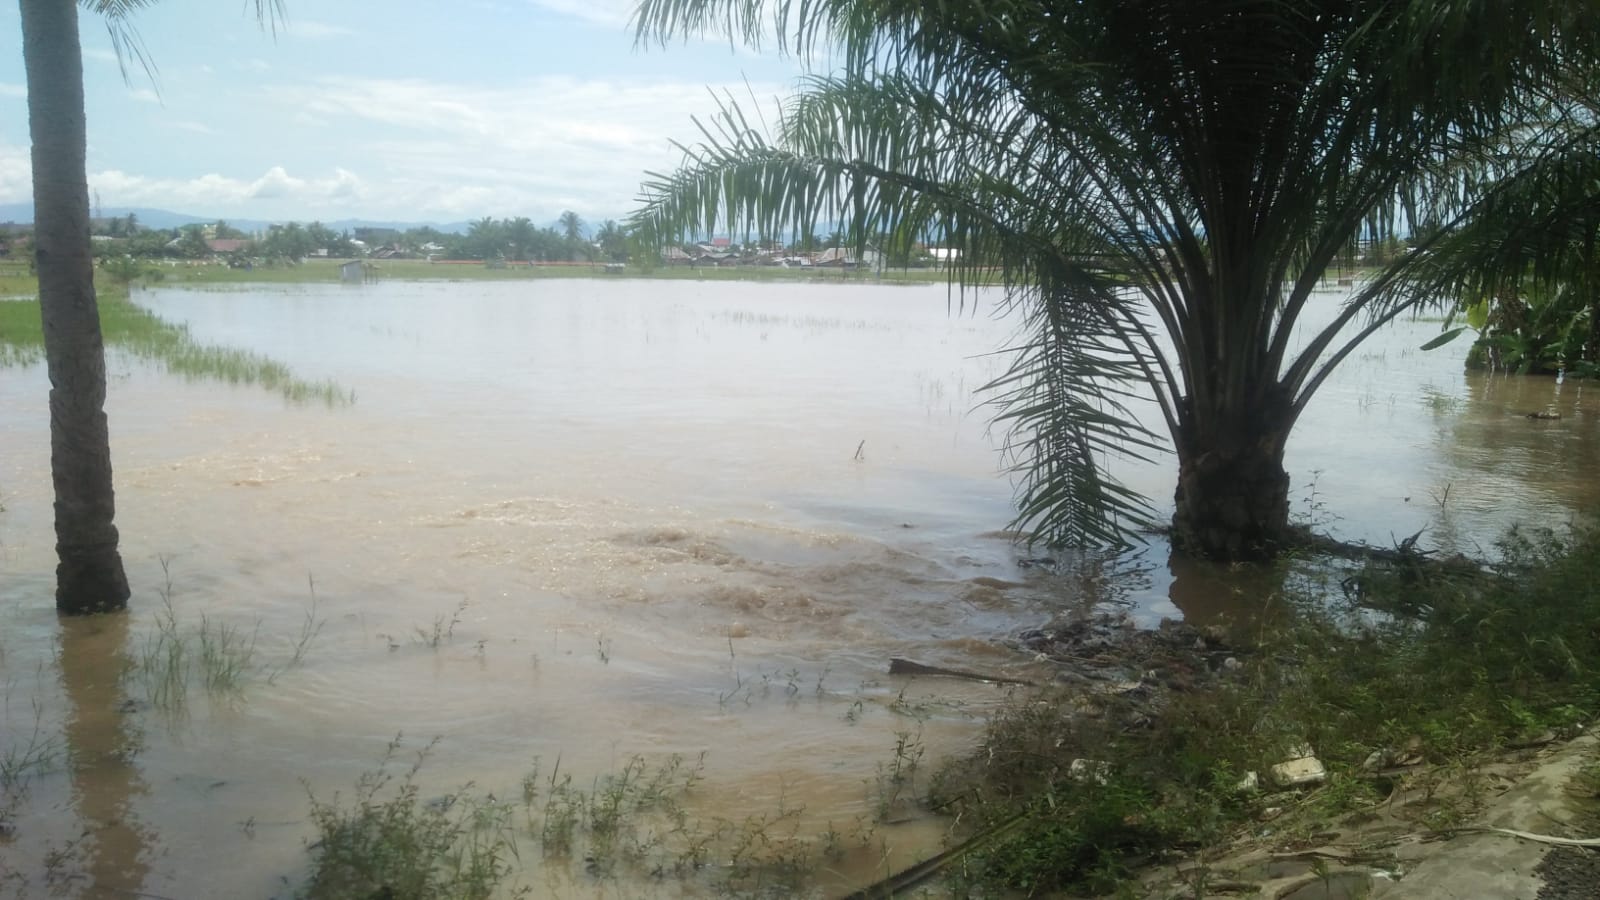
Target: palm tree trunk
(1232, 502)
(89, 577)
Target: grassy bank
(132, 329)
(1405, 682)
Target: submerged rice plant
(144, 335)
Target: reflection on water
(585, 520)
(103, 741)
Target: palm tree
(520, 235)
(486, 238)
(613, 240)
(89, 574)
(1161, 184)
(572, 229)
(1527, 268)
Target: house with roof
(226, 245)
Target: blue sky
(401, 110)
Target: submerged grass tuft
(387, 840)
(39, 752)
(219, 657)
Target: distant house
(846, 258)
(353, 271)
(226, 245)
(674, 256)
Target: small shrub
(387, 842)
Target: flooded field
(571, 523)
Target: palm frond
(127, 43)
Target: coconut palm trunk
(89, 576)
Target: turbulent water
(583, 520)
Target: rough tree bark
(1232, 501)
(89, 576)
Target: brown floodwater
(588, 520)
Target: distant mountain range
(22, 213)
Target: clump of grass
(387, 842)
(1447, 661)
(636, 820)
(443, 628)
(633, 816)
(310, 627)
(38, 753)
(897, 779)
(222, 657)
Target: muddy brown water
(632, 511)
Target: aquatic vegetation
(221, 657)
(387, 839)
(24, 756)
(389, 842)
(131, 329)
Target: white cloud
(12, 90)
(215, 194)
(144, 95)
(99, 55)
(598, 12)
(316, 31)
(529, 148)
(16, 174)
(425, 150)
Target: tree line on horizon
(516, 239)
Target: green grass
(223, 659)
(1450, 666)
(134, 330)
(386, 841)
(388, 838)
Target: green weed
(442, 629)
(222, 658)
(386, 841)
(38, 753)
